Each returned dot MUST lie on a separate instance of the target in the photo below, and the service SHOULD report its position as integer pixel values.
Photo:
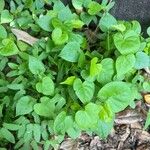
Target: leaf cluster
(83, 67)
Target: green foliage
(125, 42)
(59, 76)
(84, 90)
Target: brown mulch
(128, 134)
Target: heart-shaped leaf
(88, 118)
(70, 52)
(124, 64)
(6, 17)
(107, 71)
(8, 48)
(24, 105)
(95, 68)
(125, 42)
(84, 91)
(117, 95)
(36, 66)
(46, 86)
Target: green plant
(70, 78)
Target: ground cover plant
(65, 70)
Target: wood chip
(128, 117)
(123, 138)
(24, 36)
(147, 98)
(69, 144)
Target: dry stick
(24, 36)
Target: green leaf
(48, 107)
(104, 128)
(148, 31)
(146, 86)
(124, 64)
(117, 95)
(12, 127)
(77, 4)
(70, 52)
(37, 132)
(142, 60)
(7, 135)
(107, 71)
(125, 42)
(45, 108)
(136, 27)
(119, 27)
(88, 118)
(94, 8)
(24, 105)
(8, 48)
(46, 86)
(106, 22)
(36, 66)
(6, 17)
(106, 113)
(77, 24)
(69, 80)
(95, 68)
(2, 4)
(44, 22)
(3, 32)
(84, 91)
(65, 14)
(62, 123)
(59, 37)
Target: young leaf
(117, 95)
(24, 105)
(124, 64)
(106, 113)
(46, 86)
(6, 17)
(59, 37)
(77, 4)
(35, 65)
(94, 8)
(69, 80)
(107, 71)
(8, 48)
(84, 91)
(70, 52)
(106, 22)
(125, 42)
(95, 68)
